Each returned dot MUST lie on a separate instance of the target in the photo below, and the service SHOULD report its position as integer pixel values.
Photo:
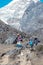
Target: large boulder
(10, 39)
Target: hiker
(19, 44)
(36, 41)
(19, 37)
(19, 41)
(31, 43)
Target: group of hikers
(31, 41)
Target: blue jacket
(31, 43)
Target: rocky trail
(19, 56)
(10, 55)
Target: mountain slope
(33, 18)
(27, 18)
(14, 12)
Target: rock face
(11, 39)
(39, 33)
(13, 13)
(7, 34)
(27, 18)
(32, 19)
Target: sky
(4, 2)
(8, 10)
(41, 0)
(38, 0)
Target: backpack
(31, 43)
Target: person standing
(19, 41)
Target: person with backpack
(19, 37)
(19, 41)
(36, 41)
(31, 43)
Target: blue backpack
(31, 43)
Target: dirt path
(22, 57)
(26, 57)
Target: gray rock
(32, 19)
(10, 39)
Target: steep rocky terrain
(11, 55)
(30, 22)
(6, 32)
(28, 19)
(9, 34)
(32, 19)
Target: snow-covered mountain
(33, 17)
(12, 13)
(24, 15)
